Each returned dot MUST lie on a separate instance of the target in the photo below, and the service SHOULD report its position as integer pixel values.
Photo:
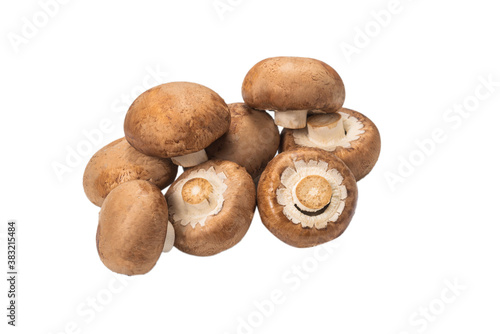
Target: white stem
(312, 193)
(291, 119)
(169, 240)
(325, 129)
(190, 160)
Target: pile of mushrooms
(306, 194)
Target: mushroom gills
(170, 238)
(190, 160)
(291, 119)
(315, 213)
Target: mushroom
(118, 162)
(211, 207)
(132, 228)
(252, 140)
(292, 87)
(177, 120)
(348, 134)
(306, 197)
(169, 239)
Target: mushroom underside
(312, 194)
(211, 207)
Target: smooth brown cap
(271, 212)
(252, 140)
(363, 154)
(225, 229)
(118, 162)
(293, 83)
(132, 227)
(176, 119)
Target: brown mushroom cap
(363, 154)
(272, 213)
(293, 83)
(132, 227)
(176, 119)
(118, 162)
(225, 229)
(252, 140)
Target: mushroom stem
(170, 238)
(190, 160)
(325, 128)
(291, 119)
(196, 194)
(312, 193)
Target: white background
(436, 226)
